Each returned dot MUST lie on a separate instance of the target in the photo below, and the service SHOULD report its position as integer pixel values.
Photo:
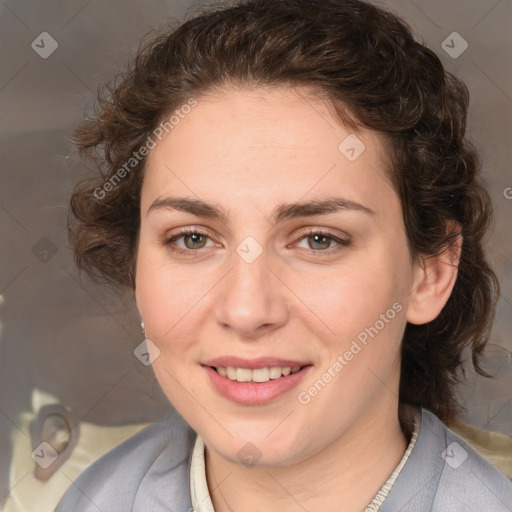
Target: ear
(434, 279)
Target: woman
(287, 189)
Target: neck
(347, 473)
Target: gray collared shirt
(150, 472)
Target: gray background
(74, 338)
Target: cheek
(167, 298)
(348, 298)
(165, 290)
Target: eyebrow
(282, 212)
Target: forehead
(266, 145)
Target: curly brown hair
(367, 65)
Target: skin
(248, 151)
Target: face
(278, 320)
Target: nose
(252, 300)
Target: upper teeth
(256, 375)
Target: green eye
(320, 242)
(193, 240)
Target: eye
(320, 242)
(193, 240)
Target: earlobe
(434, 280)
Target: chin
(263, 452)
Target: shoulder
(445, 474)
(468, 481)
(143, 473)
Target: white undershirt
(200, 495)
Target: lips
(260, 362)
(255, 381)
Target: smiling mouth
(256, 375)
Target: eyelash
(306, 234)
